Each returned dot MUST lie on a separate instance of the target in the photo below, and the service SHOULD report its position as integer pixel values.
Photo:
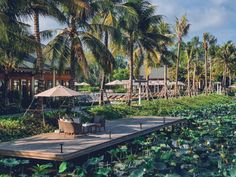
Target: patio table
(90, 127)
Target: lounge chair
(100, 121)
(69, 127)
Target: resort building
(23, 79)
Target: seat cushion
(77, 120)
(97, 119)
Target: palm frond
(100, 52)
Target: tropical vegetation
(183, 151)
(105, 40)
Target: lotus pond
(206, 146)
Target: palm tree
(212, 55)
(181, 29)
(227, 56)
(205, 46)
(166, 56)
(108, 13)
(70, 43)
(138, 33)
(190, 52)
(196, 57)
(15, 41)
(34, 9)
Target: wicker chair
(100, 121)
(70, 128)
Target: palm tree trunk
(5, 88)
(165, 82)
(206, 70)
(210, 83)
(194, 78)
(39, 66)
(189, 84)
(39, 61)
(72, 55)
(230, 78)
(224, 77)
(131, 68)
(147, 88)
(177, 68)
(101, 99)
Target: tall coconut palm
(190, 52)
(227, 56)
(107, 22)
(166, 56)
(70, 43)
(138, 33)
(205, 46)
(15, 41)
(196, 57)
(212, 54)
(34, 9)
(181, 29)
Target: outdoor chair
(100, 121)
(69, 127)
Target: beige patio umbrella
(115, 82)
(179, 83)
(58, 91)
(81, 84)
(233, 86)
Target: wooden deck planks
(47, 146)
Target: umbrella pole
(44, 122)
(29, 107)
(74, 105)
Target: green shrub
(120, 90)
(160, 107)
(111, 112)
(17, 126)
(94, 89)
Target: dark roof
(29, 63)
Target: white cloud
(45, 24)
(206, 19)
(219, 2)
(214, 16)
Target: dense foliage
(190, 150)
(160, 107)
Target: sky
(217, 17)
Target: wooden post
(139, 94)
(164, 120)
(109, 134)
(32, 86)
(141, 126)
(54, 77)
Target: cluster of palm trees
(102, 27)
(208, 61)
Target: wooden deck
(47, 146)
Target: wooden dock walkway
(47, 146)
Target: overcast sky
(215, 16)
